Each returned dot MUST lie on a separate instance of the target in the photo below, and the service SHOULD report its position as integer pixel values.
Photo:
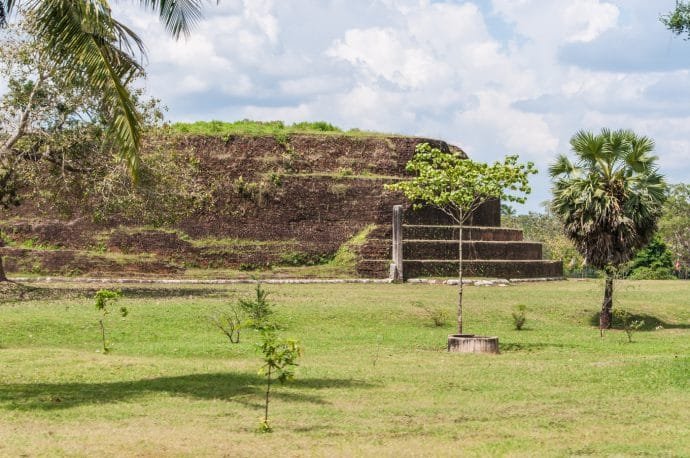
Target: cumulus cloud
(492, 76)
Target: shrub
(653, 262)
(519, 316)
(651, 273)
(300, 258)
(437, 315)
(626, 321)
(338, 189)
(318, 126)
(258, 310)
(230, 323)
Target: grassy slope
(374, 378)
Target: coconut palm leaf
(85, 39)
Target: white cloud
(381, 53)
(492, 79)
(586, 20)
(552, 22)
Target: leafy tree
(674, 225)
(507, 211)
(56, 146)
(653, 262)
(678, 20)
(83, 41)
(548, 230)
(609, 200)
(458, 186)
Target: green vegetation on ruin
(375, 378)
(277, 129)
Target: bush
(653, 262)
(625, 320)
(437, 315)
(258, 309)
(650, 273)
(519, 316)
(300, 258)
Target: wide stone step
(375, 249)
(488, 214)
(373, 268)
(448, 250)
(484, 268)
(380, 268)
(430, 232)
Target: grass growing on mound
(272, 128)
(374, 380)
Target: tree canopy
(678, 20)
(84, 40)
(457, 185)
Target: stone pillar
(396, 272)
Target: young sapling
(103, 299)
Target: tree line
(666, 256)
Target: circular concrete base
(469, 343)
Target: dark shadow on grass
(506, 347)
(22, 292)
(650, 322)
(173, 291)
(222, 386)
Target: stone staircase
(431, 250)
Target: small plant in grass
(436, 314)
(258, 309)
(519, 316)
(103, 299)
(626, 320)
(280, 358)
(230, 323)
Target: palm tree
(609, 200)
(84, 38)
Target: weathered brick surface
(484, 268)
(448, 250)
(303, 197)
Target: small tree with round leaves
(458, 186)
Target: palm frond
(562, 166)
(6, 7)
(587, 146)
(178, 16)
(84, 37)
(640, 156)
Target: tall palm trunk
(606, 315)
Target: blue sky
(491, 76)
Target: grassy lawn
(374, 378)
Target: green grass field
(375, 378)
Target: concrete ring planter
(469, 343)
